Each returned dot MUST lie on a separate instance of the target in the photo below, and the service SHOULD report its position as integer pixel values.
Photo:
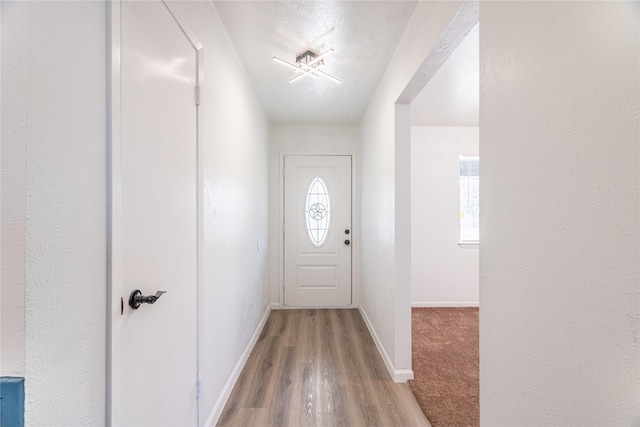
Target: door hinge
(198, 382)
(197, 94)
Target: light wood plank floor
(318, 368)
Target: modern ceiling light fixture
(307, 64)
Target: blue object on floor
(11, 402)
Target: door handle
(347, 242)
(136, 298)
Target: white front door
(318, 237)
(154, 347)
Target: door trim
(355, 229)
(114, 192)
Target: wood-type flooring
(318, 368)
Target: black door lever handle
(136, 298)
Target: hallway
(560, 258)
(316, 368)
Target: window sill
(469, 244)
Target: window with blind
(469, 199)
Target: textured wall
(236, 216)
(559, 263)
(13, 195)
(442, 272)
(65, 212)
(378, 287)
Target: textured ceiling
(451, 97)
(364, 35)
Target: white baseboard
(445, 304)
(275, 306)
(214, 416)
(398, 375)
(403, 375)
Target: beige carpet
(445, 365)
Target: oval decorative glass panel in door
(317, 212)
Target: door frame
(355, 229)
(114, 192)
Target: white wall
(559, 263)
(443, 273)
(58, 109)
(298, 139)
(13, 197)
(54, 126)
(385, 301)
(236, 218)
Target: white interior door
(317, 231)
(154, 347)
